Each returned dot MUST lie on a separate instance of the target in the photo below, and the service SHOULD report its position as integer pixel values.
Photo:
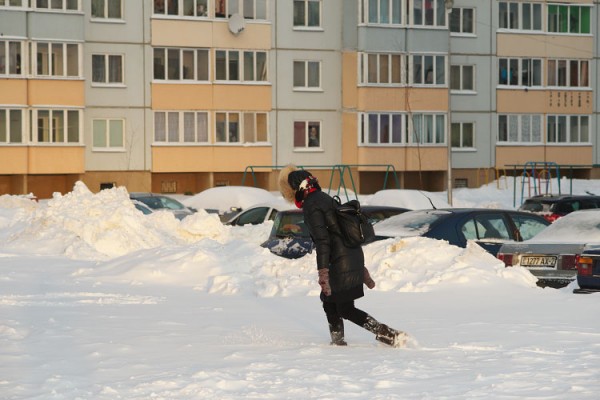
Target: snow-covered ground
(98, 301)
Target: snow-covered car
(259, 213)
(161, 202)
(552, 254)
(552, 207)
(487, 227)
(290, 238)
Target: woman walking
(341, 269)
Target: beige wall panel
(55, 92)
(547, 46)
(134, 181)
(406, 158)
(13, 91)
(56, 160)
(13, 160)
(182, 97)
(349, 84)
(385, 99)
(254, 36)
(349, 138)
(544, 101)
(242, 97)
(179, 33)
(564, 155)
(208, 159)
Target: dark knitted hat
(295, 178)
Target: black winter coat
(345, 264)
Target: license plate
(538, 261)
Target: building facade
(176, 96)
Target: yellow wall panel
(13, 160)
(349, 83)
(545, 46)
(406, 158)
(13, 91)
(242, 97)
(407, 99)
(209, 158)
(57, 92)
(544, 101)
(56, 160)
(181, 97)
(562, 155)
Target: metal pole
(449, 4)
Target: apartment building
(176, 96)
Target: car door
(527, 226)
(253, 216)
(489, 230)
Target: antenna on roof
(430, 202)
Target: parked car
(588, 271)
(489, 228)
(162, 202)
(553, 207)
(552, 255)
(290, 238)
(142, 207)
(259, 213)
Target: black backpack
(355, 228)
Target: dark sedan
(588, 271)
(489, 228)
(290, 238)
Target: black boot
(384, 333)
(337, 333)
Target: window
(11, 126)
(307, 13)
(10, 57)
(462, 20)
(520, 16)
(568, 73)
(520, 71)
(461, 78)
(249, 9)
(181, 127)
(428, 13)
(14, 3)
(108, 133)
(107, 9)
(241, 127)
(568, 129)
(383, 128)
(462, 135)
(59, 5)
(245, 66)
(427, 128)
(307, 134)
(490, 226)
(384, 69)
(429, 70)
(181, 64)
(107, 68)
(381, 12)
(307, 74)
(520, 128)
(55, 126)
(572, 19)
(56, 59)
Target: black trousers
(346, 310)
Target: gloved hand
(368, 280)
(324, 281)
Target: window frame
(423, 73)
(521, 61)
(106, 10)
(181, 64)
(461, 80)
(306, 78)
(34, 138)
(364, 10)
(553, 64)
(519, 25)
(382, 119)
(461, 21)
(307, 15)
(438, 11)
(35, 65)
(108, 135)
(201, 137)
(303, 133)
(568, 133)
(364, 69)
(521, 134)
(107, 69)
(64, 7)
(241, 66)
(550, 24)
(19, 62)
(461, 132)
(10, 135)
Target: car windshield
(158, 202)
(412, 223)
(536, 206)
(578, 226)
(290, 224)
